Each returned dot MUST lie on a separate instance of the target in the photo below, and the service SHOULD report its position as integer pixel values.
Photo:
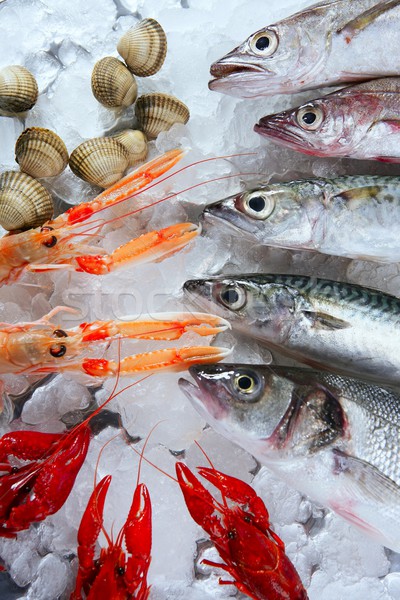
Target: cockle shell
(101, 161)
(24, 202)
(144, 48)
(18, 89)
(113, 85)
(158, 112)
(41, 152)
(135, 142)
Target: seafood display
(341, 434)
(327, 43)
(354, 216)
(351, 122)
(251, 552)
(343, 327)
(103, 95)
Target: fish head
(282, 58)
(246, 403)
(280, 412)
(272, 214)
(264, 310)
(331, 126)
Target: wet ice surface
(60, 41)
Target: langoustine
(53, 246)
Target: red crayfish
(113, 576)
(252, 553)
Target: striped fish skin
(338, 326)
(332, 42)
(335, 438)
(354, 216)
(351, 122)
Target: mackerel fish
(342, 327)
(328, 43)
(361, 121)
(356, 217)
(333, 438)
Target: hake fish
(335, 439)
(355, 217)
(338, 326)
(329, 43)
(361, 121)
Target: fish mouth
(221, 69)
(200, 398)
(276, 127)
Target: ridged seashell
(18, 89)
(158, 112)
(24, 202)
(41, 152)
(144, 48)
(101, 161)
(113, 85)
(135, 142)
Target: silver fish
(355, 217)
(335, 439)
(332, 42)
(338, 326)
(361, 121)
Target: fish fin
(362, 21)
(356, 196)
(325, 321)
(365, 480)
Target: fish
(360, 121)
(342, 327)
(328, 43)
(354, 216)
(333, 438)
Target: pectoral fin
(370, 499)
(355, 197)
(324, 321)
(362, 21)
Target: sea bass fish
(355, 217)
(338, 326)
(329, 43)
(361, 121)
(333, 438)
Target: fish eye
(248, 385)
(310, 117)
(51, 241)
(264, 43)
(258, 205)
(232, 296)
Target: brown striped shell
(158, 112)
(135, 142)
(113, 85)
(24, 202)
(101, 161)
(41, 152)
(144, 48)
(18, 89)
